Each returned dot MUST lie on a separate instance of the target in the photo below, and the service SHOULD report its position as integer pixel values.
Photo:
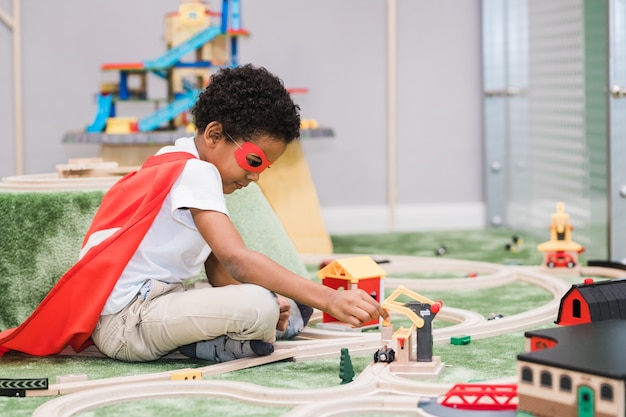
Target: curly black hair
(248, 102)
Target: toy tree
(346, 371)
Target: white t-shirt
(172, 249)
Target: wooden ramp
(289, 188)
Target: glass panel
(505, 77)
(606, 392)
(547, 129)
(495, 82)
(520, 191)
(566, 383)
(617, 141)
(556, 113)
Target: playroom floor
(483, 359)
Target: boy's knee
(265, 301)
(265, 305)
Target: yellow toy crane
(421, 312)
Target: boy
(160, 225)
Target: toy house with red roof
(351, 273)
(593, 301)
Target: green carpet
(481, 359)
(42, 234)
(473, 245)
(38, 245)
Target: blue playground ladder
(172, 56)
(105, 110)
(167, 113)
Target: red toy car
(560, 259)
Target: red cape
(70, 311)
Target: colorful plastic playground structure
(198, 42)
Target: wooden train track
(376, 389)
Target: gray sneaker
(299, 316)
(224, 349)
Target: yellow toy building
(351, 273)
(190, 19)
(560, 251)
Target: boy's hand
(283, 318)
(355, 307)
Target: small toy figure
(560, 251)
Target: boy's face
(241, 163)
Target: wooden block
(61, 379)
(430, 369)
(52, 391)
(460, 340)
(79, 161)
(186, 374)
(86, 169)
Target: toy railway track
(18, 387)
(376, 389)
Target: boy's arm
(354, 307)
(217, 275)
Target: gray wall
(336, 49)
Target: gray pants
(170, 317)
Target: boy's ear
(213, 132)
